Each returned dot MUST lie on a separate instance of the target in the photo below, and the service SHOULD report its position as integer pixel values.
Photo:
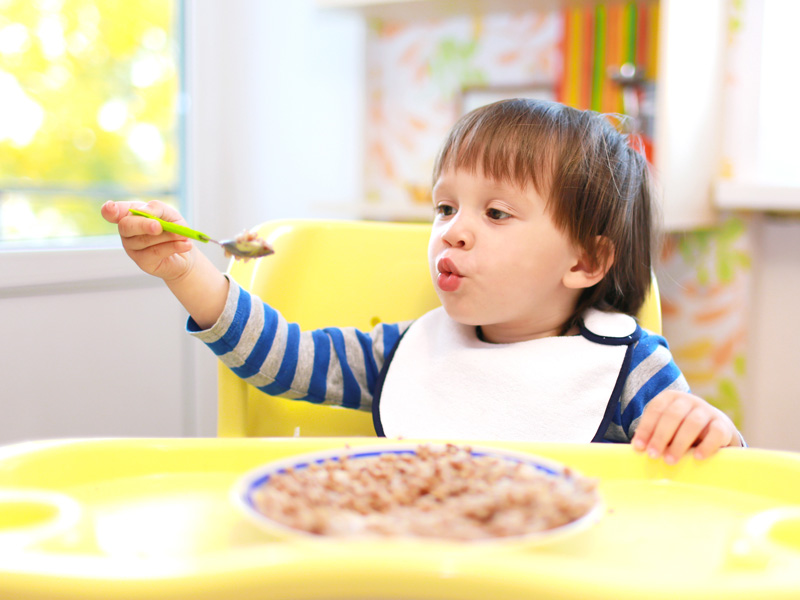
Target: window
(90, 110)
(760, 167)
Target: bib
(444, 382)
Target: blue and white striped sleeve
(652, 370)
(336, 366)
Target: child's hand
(674, 422)
(165, 255)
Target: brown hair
(595, 184)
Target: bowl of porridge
(443, 492)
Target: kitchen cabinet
(688, 97)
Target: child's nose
(459, 233)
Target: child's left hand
(674, 422)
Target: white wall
(277, 104)
(772, 407)
(89, 346)
(275, 124)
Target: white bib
(444, 382)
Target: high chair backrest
(324, 274)
(335, 273)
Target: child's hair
(594, 182)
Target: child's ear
(589, 270)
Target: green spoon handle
(174, 227)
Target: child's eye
(496, 214)
(444, 210)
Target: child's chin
(462, 317)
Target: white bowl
(243, 493)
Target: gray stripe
(615, 433)
(378, 341)
(237, 356)
(645, 371)
(334, 387)
(377, 345)
(272, 363)
(215, 333)
(305, 367)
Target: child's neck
(498, 334)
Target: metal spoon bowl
(245, 246)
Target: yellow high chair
(336, 273)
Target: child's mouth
(449, 279)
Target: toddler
(541, 253)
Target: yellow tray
(154, 520)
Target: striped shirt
(340, 366)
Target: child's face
(498, 260)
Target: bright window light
(779, 129)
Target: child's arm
(673, 422)
(194, 280)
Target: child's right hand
(165, 255)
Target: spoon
(246, 246)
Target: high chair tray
(153, 518)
